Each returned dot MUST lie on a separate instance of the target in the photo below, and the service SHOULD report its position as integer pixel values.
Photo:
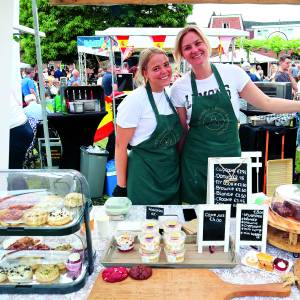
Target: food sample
(252, 260)
(265, 261)
(74, 262)
(114, 274)
(149, 242)
(150, 226)
(171, 226)
(20, 273)
(125, 241)
(59, 217)
(140, 272)
(23, 243)
(73, 200)
(46, 273)
(35, 217)
(11, 214)
(280, 264)
(174, 241)
(175, 256)
(3, 274)
(150, 257)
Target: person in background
(273, 71)
(284, 73)
(259, 73)
(28, 86)
(294, 71)
(246, 67)
(148, 122)
(20, 134)
(58, 72)
(207, 101)
(107, 81)
(125, 67)
(75, 78)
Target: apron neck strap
(218, 78)
(151, 99)
(152, 102)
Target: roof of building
(249, 24)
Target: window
(225, 25)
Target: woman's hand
(120, 191)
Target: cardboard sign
(153, 212)
(213, 226)
(251, 225)
(229, 181)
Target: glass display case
(44, 231)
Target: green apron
(213, 132)
(153, 165)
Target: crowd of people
(171, 122)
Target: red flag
(158, 40)
(123, 42)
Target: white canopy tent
(240, 55)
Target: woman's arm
(252, 94)
(123, 138)
(183, 121)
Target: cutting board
(178, 284)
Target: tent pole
(112, 63)
(41, 81)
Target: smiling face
(158, 72)
(194, 49)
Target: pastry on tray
(140, 272)
(265, 261)
(46, 273)
(59, 217)
(19, 274)
(73, 200)
(35, 217)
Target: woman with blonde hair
(148, 122)
(207, 101)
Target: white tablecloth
(239, 275)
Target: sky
(250, 12)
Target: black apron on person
(213, 132)
(153, 165)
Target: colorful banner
(106, 126)
(158, 40)
(225, 42)
(123, 42)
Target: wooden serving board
(285, 224)
(297, 272)
(178, 284)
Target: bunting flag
(220, 48)
(106, 126)
(123, 42)
(158, 40)
(225, 42)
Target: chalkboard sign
(229, 181)
(251, 225)
(213, 226)
(153, 212)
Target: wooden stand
(283, 233)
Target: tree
(62, 24)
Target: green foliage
(275, 44)
(63, 24)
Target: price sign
(213, 226)
(251, 225)
(229, 181)
(153, 212)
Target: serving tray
(219, 259)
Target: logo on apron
(167, 138)
(215, 120)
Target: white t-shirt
(135, 111)
(234, 79)
(17, 115)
